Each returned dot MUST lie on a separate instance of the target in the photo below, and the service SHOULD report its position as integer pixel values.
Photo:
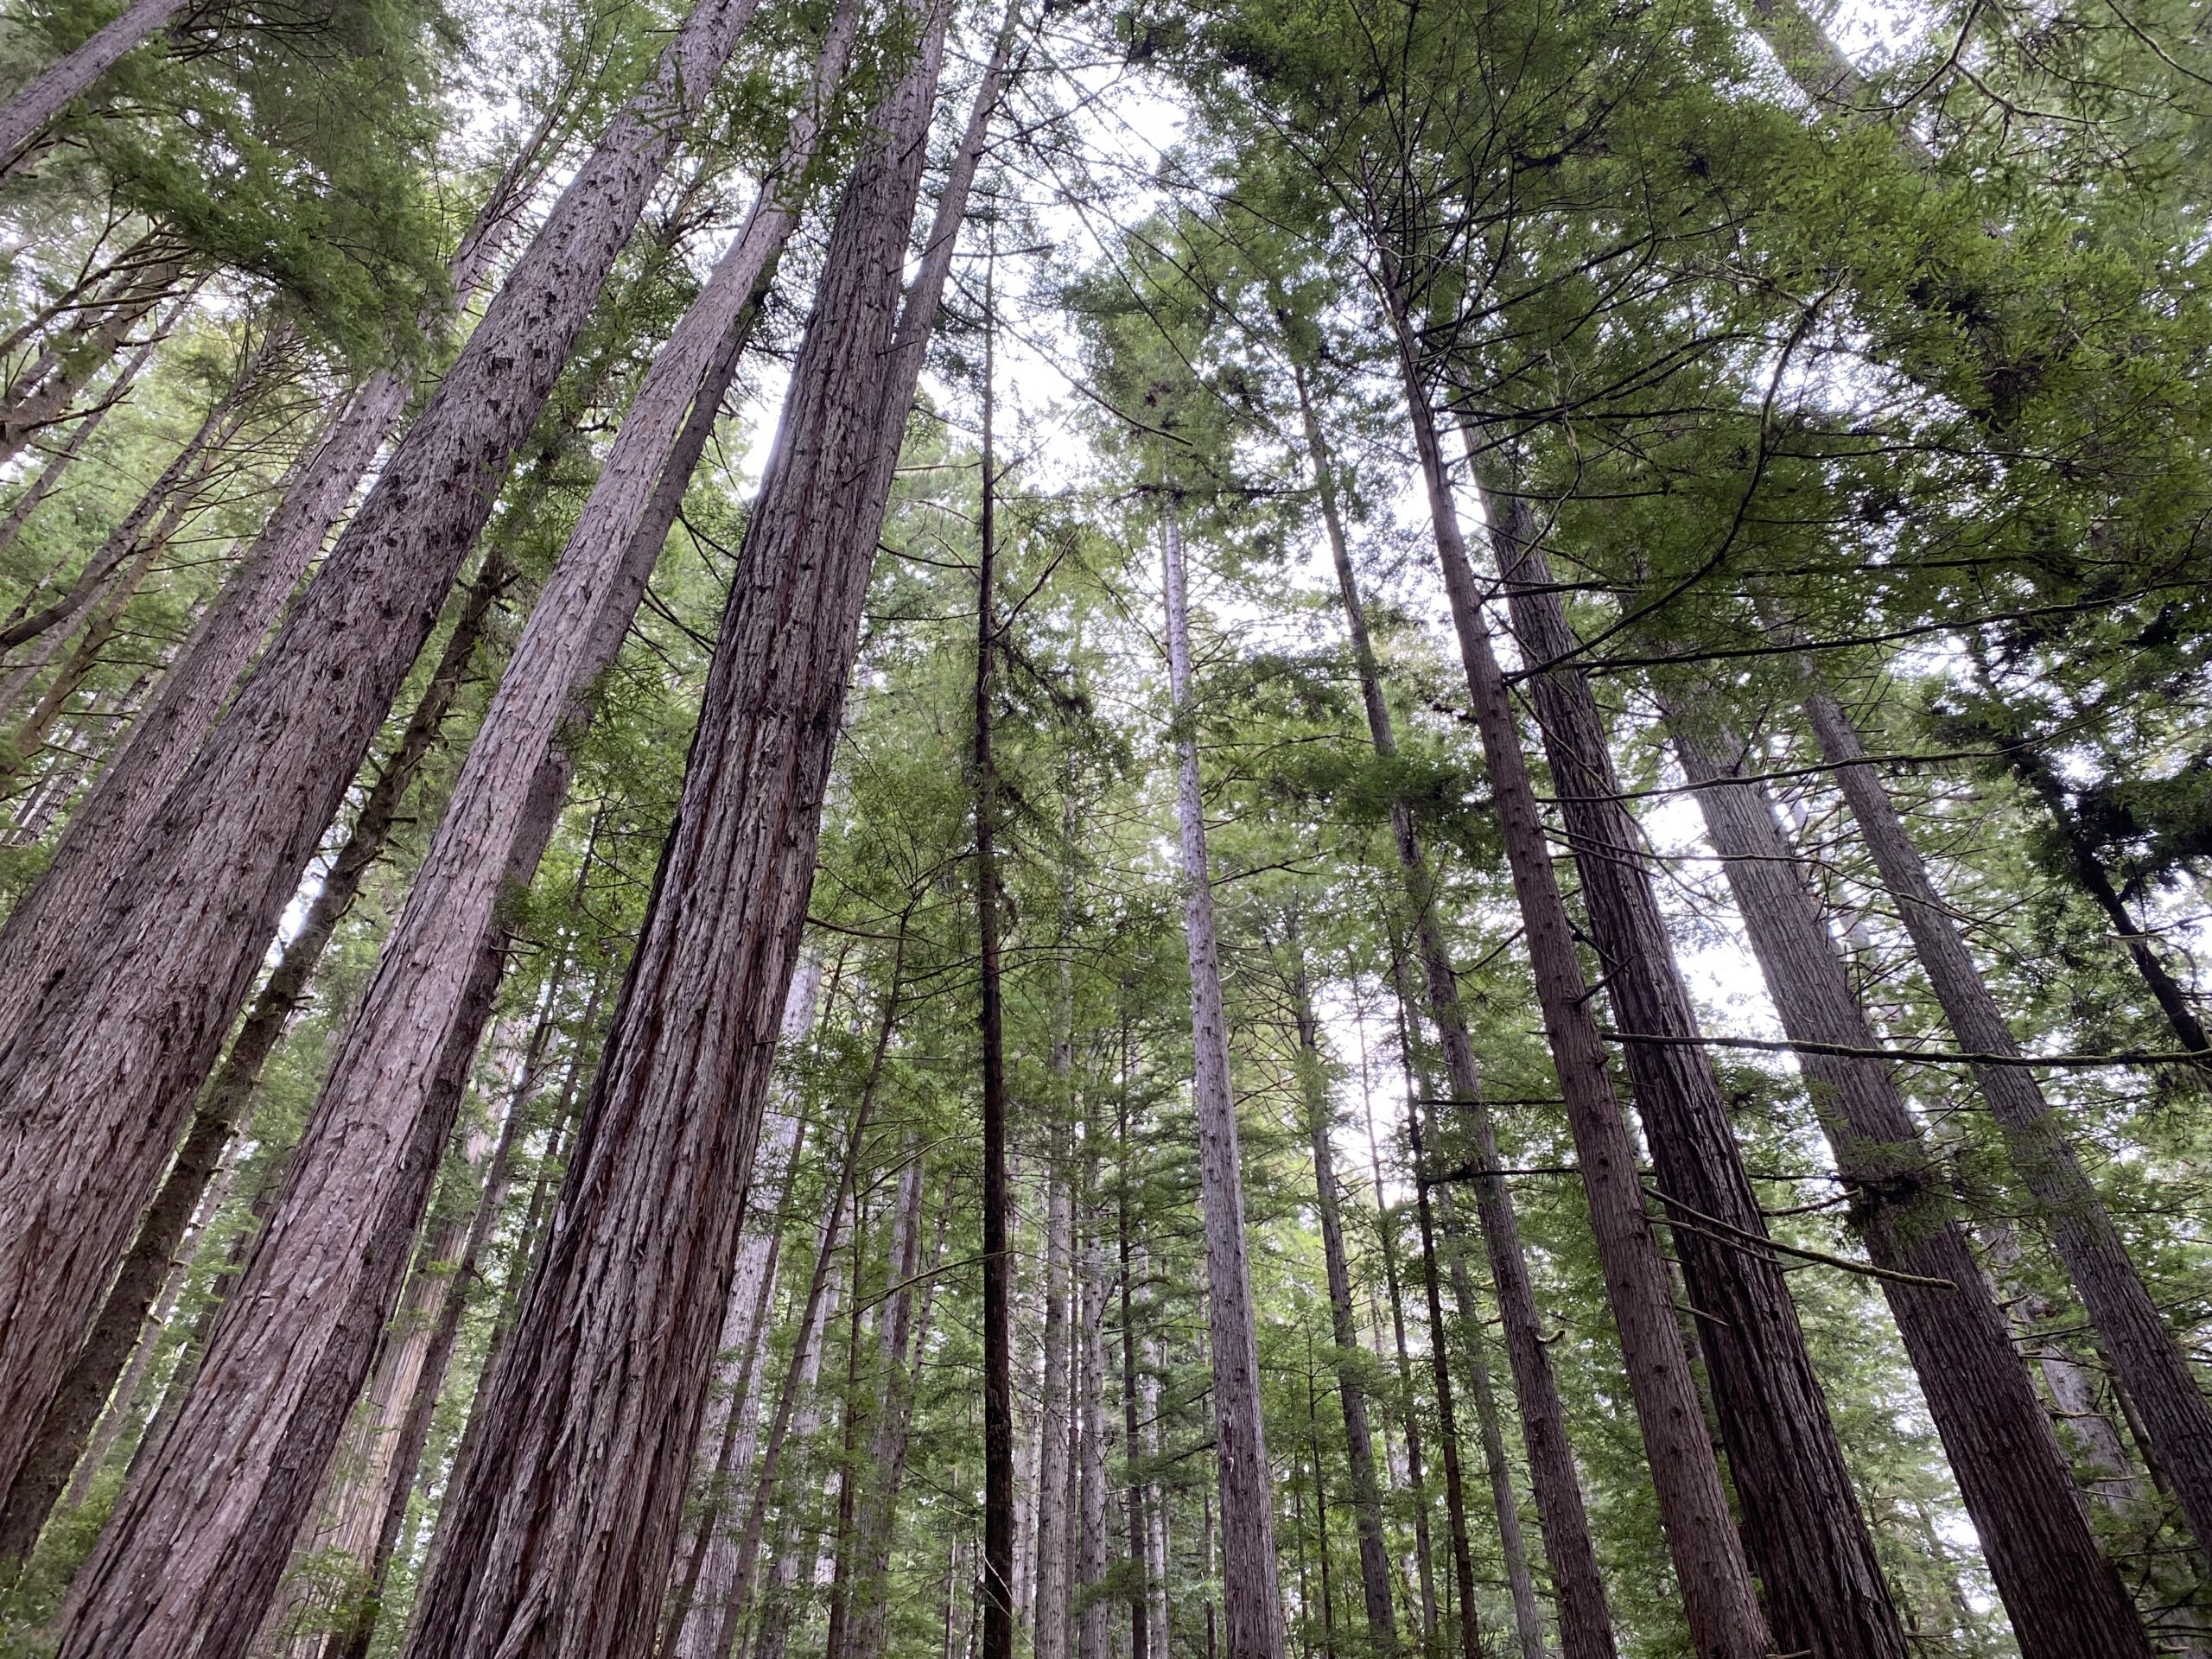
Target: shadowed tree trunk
(1347, 1357)
(1715, 1582)
(222, 1107)
(1586, 1621)
(2063, 1598)
(1252, 1601)
(611, 1357)
(711, 1557)
(2157, 1374)
(162, 740)
(126, 1018)
(1803, 1526)
(998, 1311)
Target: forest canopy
(911, 829)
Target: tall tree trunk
(1347, 1357)
(1252, 1601)
(1585, 1622)
(351, 1639)
(2062, 1596)
(1802, 1522)
(610, 1359)
(998, 1311)
(2150, 1363)
(128, 1015)
(222, 1107)
(907, 1335)
(1710, 1569)
(797, 1551)
(1440, 1350)
(1505, 1503)
(1053, 1534)
(1093, 1630)
(26, 115)
(162, 740)
(1134, 1462)
(1386, 1226)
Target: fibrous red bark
(126, 1014)
(2063, 1598)
(610, 1361)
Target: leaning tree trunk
(80, 434)
(1714, 1580)
(162, 740)
(1802, 1522)
(404, 1063)
(2150, 1365)
(2063, 1598)
(1586, 1621)
(129, 1013)
(1252, 1601)
(609, 1363)
(61, 1437)
(26, 115)
(1352, 1389)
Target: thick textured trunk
(2177, 1417)
(1715, 1583)
(1252, 1600)
(127, 1015)
(162, 740)
(26, 115)
(1585, 1622)
(2063, 1598)
(352, 1638)
(733, 1415)
(222, 1107)
(1347, 1359)
(610, 1360)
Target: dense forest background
(1341, 827)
